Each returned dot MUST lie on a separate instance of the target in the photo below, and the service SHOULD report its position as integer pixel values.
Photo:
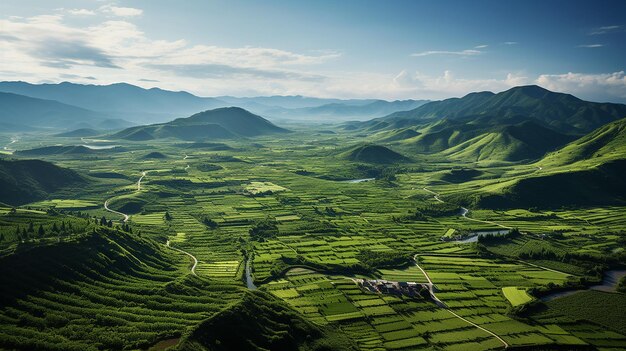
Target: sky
(340, 49)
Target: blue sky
(347, 49)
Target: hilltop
(373, 154)
(263, 323)
(221, 123)
(24, 181)
(77, 133)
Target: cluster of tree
(32, 231)
(498, 238)
(328, 211)
(378, 259)
(209, 222)
(263, 230)
(424, 212)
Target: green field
(301, 216)
(516, 296)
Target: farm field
(311, 244)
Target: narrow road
(106, 207)
(126, 217)
(444, 306)
(195, 260)
(435, 195)
(465, 211)
(143, 174)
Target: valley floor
(183, 228)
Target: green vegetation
(516, 296)
(23, 181)
(222, 123)
(304, 218)
(373, 154)
(262, 322)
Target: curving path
(143, 174)
(106, 207)
(195, 260)
(443, 305)
(167, 243)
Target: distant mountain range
(23, 113)
(522, 123)
(221, 123)
(561, 112)
(134, 104)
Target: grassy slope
(25, 181)
(373, 154)
(221, 123)
(593, 306)
(106, 290)
(262, 322)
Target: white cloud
(448, 84)
(469, 52)
(607, 29)
(81, 12)
(480, 46)
(590, 46)
(597, 87)
(44, 48)
(121, 11)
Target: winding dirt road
(167, 243)
(106, 207)
(195, 260)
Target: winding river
(249, 280)
(609, 284)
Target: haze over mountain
(20, 113)
(139, 105)
(221, 123)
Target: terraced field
(328, 231)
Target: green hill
(397, 135)
(155, 155)
(56, 150)
(605, 143)
(262, 322)
(373, 154)
(524, 141)
(101, 290)
(562, 112)
(221, 123)
(77, 133)
(598, 186)
(26, 181)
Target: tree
(31, 227)
(103, 220)
(263, 230)
(55, 228)
(209, 222)
(168, 216)
(41, 232)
